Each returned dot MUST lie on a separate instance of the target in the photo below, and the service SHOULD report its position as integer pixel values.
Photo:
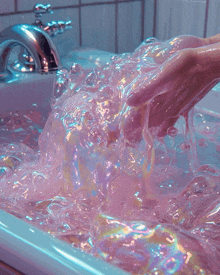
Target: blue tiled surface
(213, 26)
(129, 26)
(69, 39)
(148, 18)
(98, 27)
(175, 17)
(6, 6)
(95, 1)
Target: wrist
(208, 58)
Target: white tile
(95, 1)
(148, 18)
(69, 39)
(129, 26)
(26, 18)
(4, 22)
(213, 26)
(98, 27)
(7, 6)
(29, 4)
(175, 17)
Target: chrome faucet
(35, 41)
(40, 52)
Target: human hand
(182, 79)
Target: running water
(107, 184)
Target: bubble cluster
(95, 176)
(23, 126)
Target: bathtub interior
(22, 246)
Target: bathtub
(24, 248)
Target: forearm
(208, 57)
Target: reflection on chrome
(35, 41)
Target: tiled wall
(118, 25)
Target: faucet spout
(35, 41)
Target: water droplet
(114, 57)
(199, 118)
(75, 68)
(198, 184)
(156, 271)
(150, 40)
(3, 170)
(2, 122)
(91, 79)
(172, 131)
(185, 147)
(60, 87)
(209, 169)
(202, 143)
(34, 106)
(171, 264)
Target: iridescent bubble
(150, 40)
(209, 169)
(75, 68)
(202, 143)
(61, 86)
(156, 271)
(199, 184)
(3, 170)
(2, 122)
(172, 131)
(91, 79)
(185, 147)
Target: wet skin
(188, 68)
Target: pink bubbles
(202, 142)
(185, 147)
(102, 181)
(75, 68)
(172, 131)
(140, 247)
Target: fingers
(142, 95)
(133, 123)
(211, 40)
(173, 70)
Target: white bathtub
(24, 247)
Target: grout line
(16, 5)
(116, 26)
(142, 20)
(86, 4)
(155, 18)
(206, 18)
(80, 24)
(17, 12)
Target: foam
(109, 185)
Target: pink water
(100, 181)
